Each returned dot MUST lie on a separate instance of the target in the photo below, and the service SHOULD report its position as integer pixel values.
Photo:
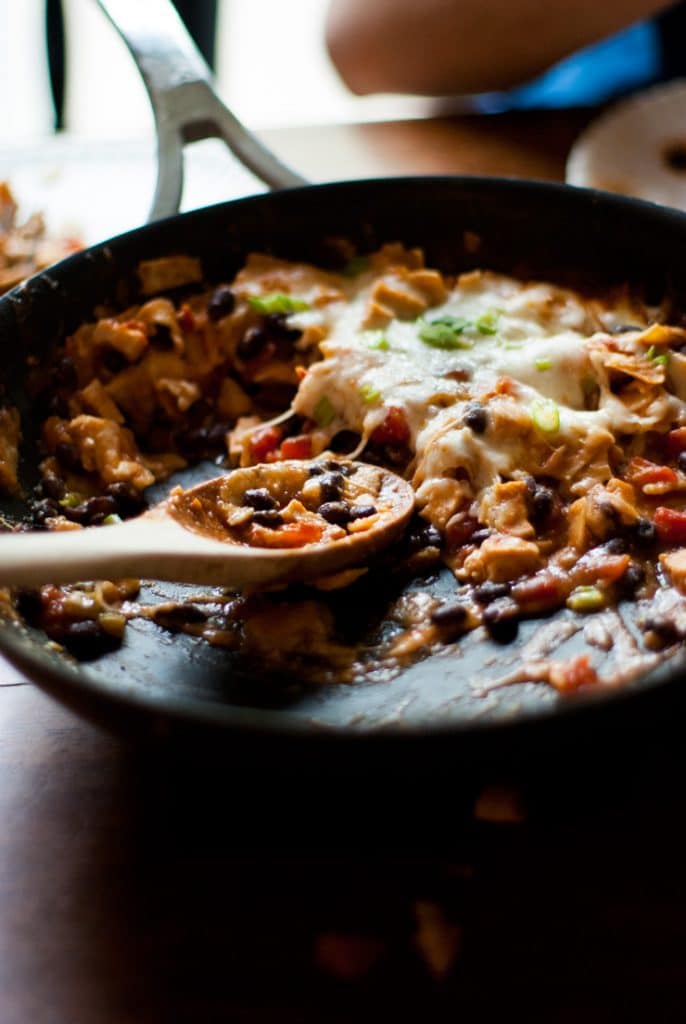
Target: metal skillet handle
(184, 103)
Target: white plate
(637, 147)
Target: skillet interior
(552, 231)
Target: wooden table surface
(141, 886)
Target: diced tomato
(641, 472)
(541, 592)
(299, 447)
(264, 442)
(394, 429)
(675, 442)
(572, 674)
(52, 611)
(597, 565)
(185, 318)
(670, 525)
(290, 535)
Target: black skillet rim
(95, 699)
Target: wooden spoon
(188, 539)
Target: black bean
(475, 417)
(316, 469)
(339, 467)
(65, 373)
(625, 328)
(479, 536)
(643, 533)
(330, 486)
(86, 640)
(162, 338)
(615, 546)
(48, 508)
(114, 360)
(129, 501)
(252, 343)
(336, 512)
(423, 535)
(260, 498)
(488, 592)
(93, 511)
(501, 619)
(76, 513)
(216, 435)
(632, 579)
(101, 504)
(681, 462)
(29, 605)
(51, 486)
(279, 328)
(362, 512)
(542, 502)
(197, 415)
(345, 441)
(179, 615)
(68, 456)
(270, 518)
(58, 406)
(394, 455)
(221, 302)
(431, 536)
(194, 443)
(452, 613)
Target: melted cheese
(545, 345)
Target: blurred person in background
(512, 53)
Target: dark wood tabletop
(147, 884)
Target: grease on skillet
(543, 430)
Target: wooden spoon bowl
(207, 534)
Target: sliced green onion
(651, 352)
(378, 341)
(545, 415)
(445, 332)
(357, 265)
(543, 364)
(112, 519)
(661, 360)
(369, 395)
(586, 599)
(323, 412)
(277, 302)
(71, 500)
(487, 323)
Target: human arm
(442, 47)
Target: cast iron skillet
(157, 680)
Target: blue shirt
(634, 58)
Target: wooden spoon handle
(152, 546)
(30, 559)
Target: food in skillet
(544, 430)
(25, 246)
